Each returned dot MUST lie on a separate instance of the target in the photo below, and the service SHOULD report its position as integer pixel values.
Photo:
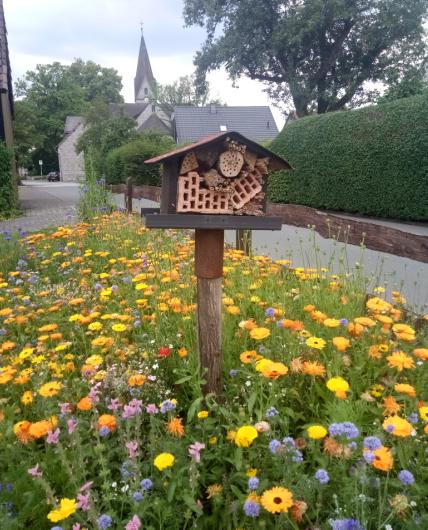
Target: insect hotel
(215, 184)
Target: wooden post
(128, 195)
(243, 240)
(209, 250)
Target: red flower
(164, 351)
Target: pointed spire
(144, 80)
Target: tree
(52, 92)
(412, 84)
(315, 55)
(182, 92)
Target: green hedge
(128, 160)
(371, 161)
(8, 190)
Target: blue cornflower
(344, 321)
(372, 443)
(406, 477)
(271, 412)
(369, 456)
(289, 441)
(138, 496)
(167, 405)
(275, 446)
(322, 476)
(270, 312)
(253, 483)
(252, 509)
(297, 456)
(346, 524)
(56, 528)
(233, 372)
(104, 521)
(146, 484)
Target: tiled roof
(192, 123)
(5, 71)
(131, 110)
(154, 123)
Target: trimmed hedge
(371, 161)
(8, 190)
(128, 160)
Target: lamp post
(41, 167)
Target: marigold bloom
(48, 327)
(245, 436)
(390, 406)
(107, 420)
(341, 343)
(423, 413)
(277, 500)
(298, 510)
(365, 322)
(316, 343)
(250, 356)
(421, 353)
(66, 508)
(119, 328)
(22, 431)
(163, 461)
(355, 330)
(398, 426)
(85, 403)
(383, 459)
(203, 414)
(377, 305)
(259, 333)
(403, 388)
(331, 323)
(41, 428)
(339, 386)
(316, 432)
(274, 370)
(175, 427)
(313, 368)
(50, 389)
(400, 361)
(213, 490)
(27, 397)
(136, 380)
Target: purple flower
(413, 418)
(369, 456)
(289, 441)
(134, 523)
(271, 412)
(251, 509)
(114, 404)
(53, 437)
(346, 524)
(34, 471)
(83, 501)
(138, 496)
(270, 312)
(406, 477)
(275, 446)
(195, 451)
(347, 429)
(104, 521)
(56, 528)
(132, 449)
(253, 483)
(344, 321)
(167, 405)
(233, 372)
(146, 484)
(65, 408)
(372, 443)
(71, 425)
(86, 486)
(322, 476)
(152, 409)
(104, 431)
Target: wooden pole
(128, 195)
(209, 250)
(243, 240)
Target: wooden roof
(276, 162)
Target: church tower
(144, 80)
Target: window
(223, 128)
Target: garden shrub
(128, 160)
(8, 192)
(372, 161)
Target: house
(146, 115)
(6, 93)
(190, 124)
(71, 163)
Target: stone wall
(71, 164)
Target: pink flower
(65, 408)
(71, 425)
(195, 451)
(114, 404)
(93, 393)
(132, 408)
(83, 501)
(76, 526)
(132, 448)
(35, 471)
(53, 437)
(134, 523)
(86, 486)
(152, 409)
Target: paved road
(44, 204)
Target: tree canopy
(48, 95)
(314, 55)
(182, 92)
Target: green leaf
(238, 458)
(183, 380)
(171, 491)
(251, 402)
(191, 503)
(193, 407)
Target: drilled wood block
(190, 162)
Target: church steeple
(144, 80)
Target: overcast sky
(108, 32)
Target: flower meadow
(323, 423)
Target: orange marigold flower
(250, 356)
(41, 428)
(355, 330)
(175, 427)
(21, 430)
(313, 368)
(274, 370)
(374, 352)
(48, 327)
(85, 403)
(403, 388)
(298, 510)
(341, 343)
(107, 420)
(383, 459)
(50, 389)
(390, 406)
(421, 353)
(318, 316)
(136, 380)
(400, 361)
(398, 426)
(309, 308)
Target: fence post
(128, 195)
(243, 240)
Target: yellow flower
(163, 461)
(400, 361)
(423, 413)
(95, 326)
(66, 508)
(213, 490)
(339, 386)
(277, 500)
(341, 343)
(403, 388)
(398, 426)
(331, 323)
(245, 436)
(202, 414)
(259, 333)
(251, 472)
(317, 432)
(27, 397)
(50, 389)
(119, 328)
(94, 360)
(315, 342)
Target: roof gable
(144, 69)
(254, 122)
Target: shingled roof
(144, 69)
(192, 123)
(5, 71)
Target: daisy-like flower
(400, 361)
(50, 389)
(313, 368)
(316, 343)
(277, 500)
(175, 427)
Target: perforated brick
(191, 198)
(246, 187)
